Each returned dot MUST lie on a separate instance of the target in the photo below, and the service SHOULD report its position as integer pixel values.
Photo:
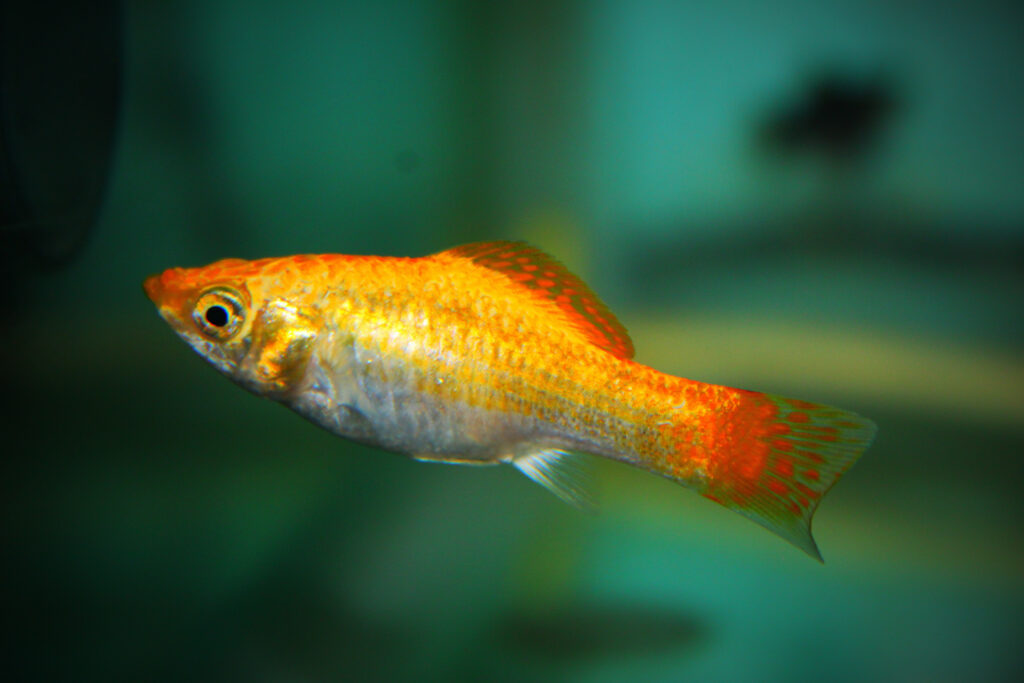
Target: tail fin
(772, 459)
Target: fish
(495, 353)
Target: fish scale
(554, 399)
(495, 353)
(491, 383)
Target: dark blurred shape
(60, 87)
(837, 117)
(582, 631)
(946, 242)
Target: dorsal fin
(548, 278)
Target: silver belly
(343, 396)
(390, 415)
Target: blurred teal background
(819, 199)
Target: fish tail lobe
(769, 458)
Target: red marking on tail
(811, 456)
(806, 490)
(784, 466)
(802, 405)
(771, 463)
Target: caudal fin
(772, 459)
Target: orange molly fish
(495, 353)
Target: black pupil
(217, 316)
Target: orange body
(493, 353)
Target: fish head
(258, 331)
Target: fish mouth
(164, 291)
(153, 288)
(167, 289)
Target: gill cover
(283, 335)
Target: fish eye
(219, 313)
(216, 315)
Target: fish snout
(166, 291)
(168, 288)
(154, 288)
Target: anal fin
(560, 472)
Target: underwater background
(823, 200)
